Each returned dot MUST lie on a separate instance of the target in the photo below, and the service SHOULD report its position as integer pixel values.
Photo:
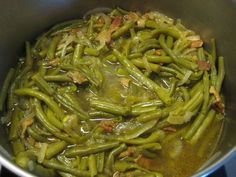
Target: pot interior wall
(26, 19)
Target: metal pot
(26, 19)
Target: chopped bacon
(197, 44)
(104, 36)
(75, 30)
(24, 124)
(145, 162)
(77, 77)
(101, 21)
(141, 22)
(203, 65)
(54, 62)
(115, 24)
(125, 82)
(107, 125)
(218, 105)
(215, 93)
(158, 52)
(128, 153)
(132, 16)
(170, 129)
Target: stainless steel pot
(26, 19)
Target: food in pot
(120, 94)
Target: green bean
(177, 60)
(154, 137)
(90, 29)
(154, 115)
(72, 99)
(148, 44)
(141, 110)
(100, 114)
(41, 96)
(173, 86)
(206, 84)
(57, 78)
(157, 103)
(205, 124)
(149, 149)
(22, 158)
(198, 86)
(52, 47)
(53, 120)
(100, 161)
(213, 50)
(28, 60)
(68, 105)
(43, 119)
(36, 135)
(109, 107)
(122, 30)
(15, 123)
(18, 146)
(132, 134)
(185, 92)
(200, 54)
(84, 163)
(111, 157)
(43, 84)
(127, 47)
(111, 58)
(182, 45)
(77, 53)
(161, 92)
(92, 163)
(141, 64)
(132, 33)
(169, 42)
(213, 72)
(221, 73)
(135, 55)
(54, 149)
(83, 150)
(193, 102)
(123, 166)
(57, 166)
(162, 29)
(5, 86)
(91, 51)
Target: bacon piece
(218, 105)
(128, 153)
(115, 24)
(77, 77)
(203, 65)
(197, 44)
(170, 129)
(107, 125)
(125, 82)
(104, 37)
(145, 162)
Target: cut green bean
(161, 92)
(82, 150)
(5, 86)
(57, 166)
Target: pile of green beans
(93, 96)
